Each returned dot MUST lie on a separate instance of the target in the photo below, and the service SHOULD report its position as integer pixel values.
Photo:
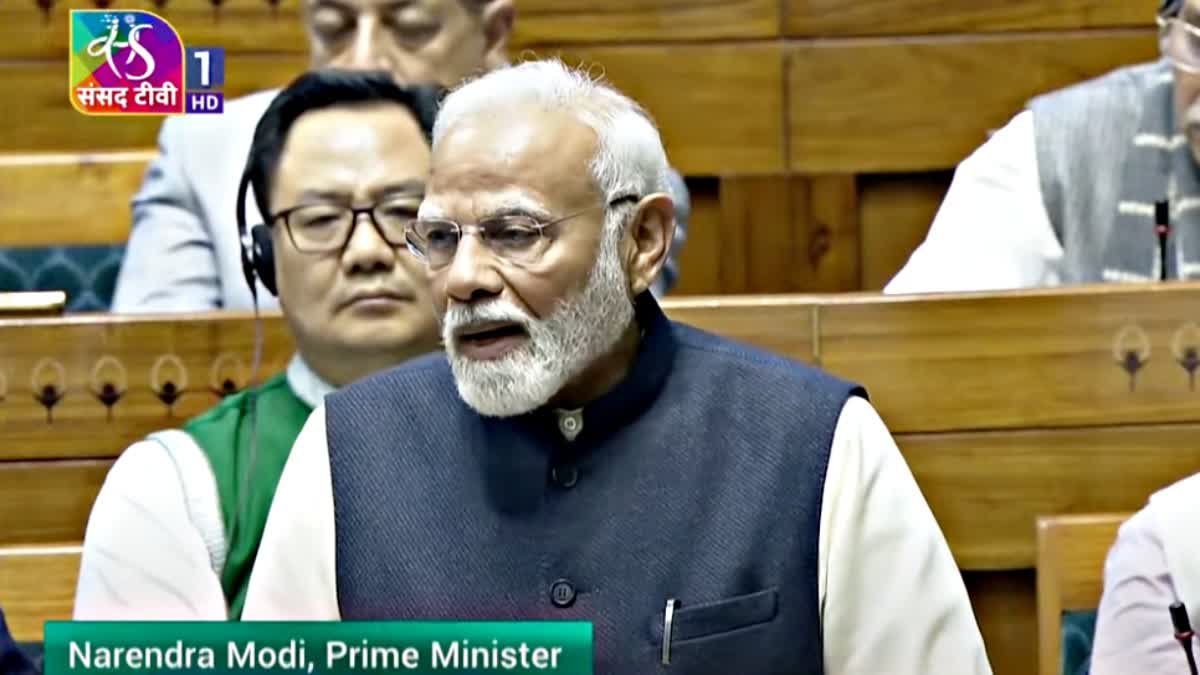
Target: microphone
(1162, 227)
(1183, 633)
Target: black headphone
(258, 252)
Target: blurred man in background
(1067, 192)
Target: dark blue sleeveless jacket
(698, 478)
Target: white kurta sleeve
(143, 556)
(892, 597)
(295, 577)
(992, 231)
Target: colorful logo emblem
(125, 62)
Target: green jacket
(246, 480)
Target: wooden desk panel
(988, 489)
(1040, 359)
(37, 584)
(45, 502)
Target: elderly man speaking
(575, 455)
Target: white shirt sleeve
(892, 598)
(992, 231)
(143, 557)
(295, 576)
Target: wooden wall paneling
(1047, 358)
(700, 259)
(50, 124)
(828, 212)
(895, 212)
(809, 18)
(583, 21)
(1005, 605)
(914, 104)
(75, 198)
(255, 26)
(760, 242)
(719, 106)
(707, 126)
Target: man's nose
(366, 250)
(471, 274)
(369, 51)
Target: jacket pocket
(711, 619)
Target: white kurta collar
(307, 385)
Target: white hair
(629, 160)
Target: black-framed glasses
(1180, 43)
(517, 239)
(326, 227)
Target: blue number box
(205, 68)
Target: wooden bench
(1007, 407)
(1070, 574)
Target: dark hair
(1170, 7)
(320, 89)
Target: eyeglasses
(1180, 43)
(324, 228)
(515, 238)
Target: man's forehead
(546, 155)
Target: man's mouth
(490, 340)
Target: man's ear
(498, 16)
(651, 233)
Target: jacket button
(562, 593)
(565, 476)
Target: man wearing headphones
(182, 255)
(337, 166)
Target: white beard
(580, 331)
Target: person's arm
(1133, 627)
(992, 231)
(170, 264)
(892, 598)
(143, 556)
(295, 577)
(683, 211)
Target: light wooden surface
(1070, 574)
(914, 104)
(895, 212)
(1019, 360)
(988, 489)
(37, 584)
(48, 501)
(75, 198)
(922, 17)
(33, 303)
